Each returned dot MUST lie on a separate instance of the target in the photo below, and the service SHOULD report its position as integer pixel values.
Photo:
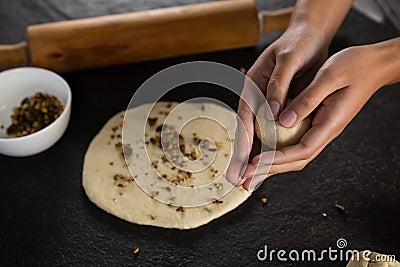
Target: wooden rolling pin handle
(13, 55)
(277, 20)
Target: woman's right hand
(288, 65)
(285, 68)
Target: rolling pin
(145, 35)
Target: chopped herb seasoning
(195, 154)
(159, 128)
(155, 164)
(181, 209)
(33, 114)
(219, 144)
(217, 201)
(219, 185)
(119, 144)
(339, 207)
(152, 121)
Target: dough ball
(284, 136)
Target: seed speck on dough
(340, 207)
(217, 201)
(219, 185)
(219, 144)
(152, 121)
(181, 209)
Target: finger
(244, 134)
(263, 171)
(295, 165)
(262, 68)
(289, 166)
(326, 125)
(252, 184)
(260, 164)
(299, 83)
(302, 105)
(318, 136)
(242, 147)
(278, 87)
(254, 89)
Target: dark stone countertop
(48, 220)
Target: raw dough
(275, 135)
(375, 261)
(109, 184)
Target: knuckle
(309, 100)
(306, 152)
(251, 73)
(285, 55)
(326, 72)
(244, 113)
(274, 82)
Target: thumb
(309, 99)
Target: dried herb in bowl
(34, 113)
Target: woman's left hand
(339, 90)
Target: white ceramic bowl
(15, 85)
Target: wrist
(388, 61)
(324, 17)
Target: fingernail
(288, 118)
(275, 107)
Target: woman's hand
(289, 63)
(339, 90)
